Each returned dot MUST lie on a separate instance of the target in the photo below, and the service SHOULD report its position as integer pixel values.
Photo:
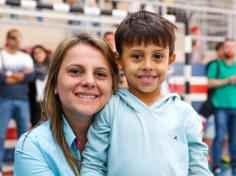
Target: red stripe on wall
(11, 134)
(193, 88)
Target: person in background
(81, 79)
(198, 50)
(142, 131)
(223, 99)
(219, 50)
(209, 132)
(41, 60)
(109, 37)
(15, 74)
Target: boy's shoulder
(173, 100)
(117, 96)
(115, 100)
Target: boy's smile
(145, 68)
(147, 78)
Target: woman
(41, 60)
(82, 77)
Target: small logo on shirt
(175, 138)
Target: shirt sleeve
(198, 164)
(29, 77)
(28, 159)
(211, 71)
(29, 62)
(95, 155)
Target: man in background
(15, 74)
(223, 100)
(209, 132)
(109, 37)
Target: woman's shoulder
(39, 135)
(42, 130)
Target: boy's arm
(29, 160)
(95, 155)
(198, 164)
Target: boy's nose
(147, 65)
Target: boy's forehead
(143, 44)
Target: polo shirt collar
(69, 134)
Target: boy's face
(145, 68)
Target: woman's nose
(88, 80)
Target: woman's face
(84, 83)
(39, 55)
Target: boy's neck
(148, 98)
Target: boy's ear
(171, 59)
(117, 57)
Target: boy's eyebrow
(159, 50)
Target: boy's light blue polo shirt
(37, 153)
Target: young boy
(142, 132)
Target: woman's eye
(101, 75)
(75, 71)
(136, 56)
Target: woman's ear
(55, 91)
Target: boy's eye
(158, 56)
(136, 56)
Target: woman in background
(41, 60)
